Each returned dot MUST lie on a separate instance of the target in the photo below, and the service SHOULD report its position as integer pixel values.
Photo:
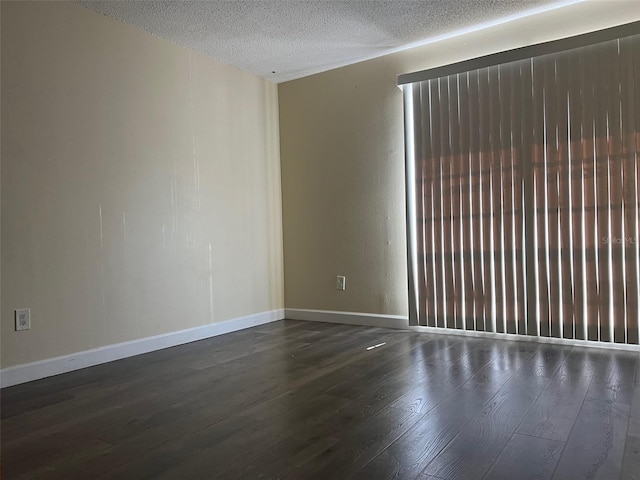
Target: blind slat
(577, 191)
(630, 193)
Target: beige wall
(140, 185)
(342, 157)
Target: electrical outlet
(23, 319)
(341, 282)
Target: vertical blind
(524, 183)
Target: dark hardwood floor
(304, 400)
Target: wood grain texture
(421, 444)
(631, 460)
(595, 447)
(613, 377)
(634, 420)
(297, 400)
(554, 413)
(526, 458)
(478, 444)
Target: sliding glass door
(523, 195)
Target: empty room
(320, 239)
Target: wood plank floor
(305, 400)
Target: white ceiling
(283, 39)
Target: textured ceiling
(299, 38)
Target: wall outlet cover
(23, 319)
(341, 282)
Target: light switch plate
(341, 282)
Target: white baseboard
(527, 338)
(54, 366)
(398, 321)
(67, 363)
(348, 318)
